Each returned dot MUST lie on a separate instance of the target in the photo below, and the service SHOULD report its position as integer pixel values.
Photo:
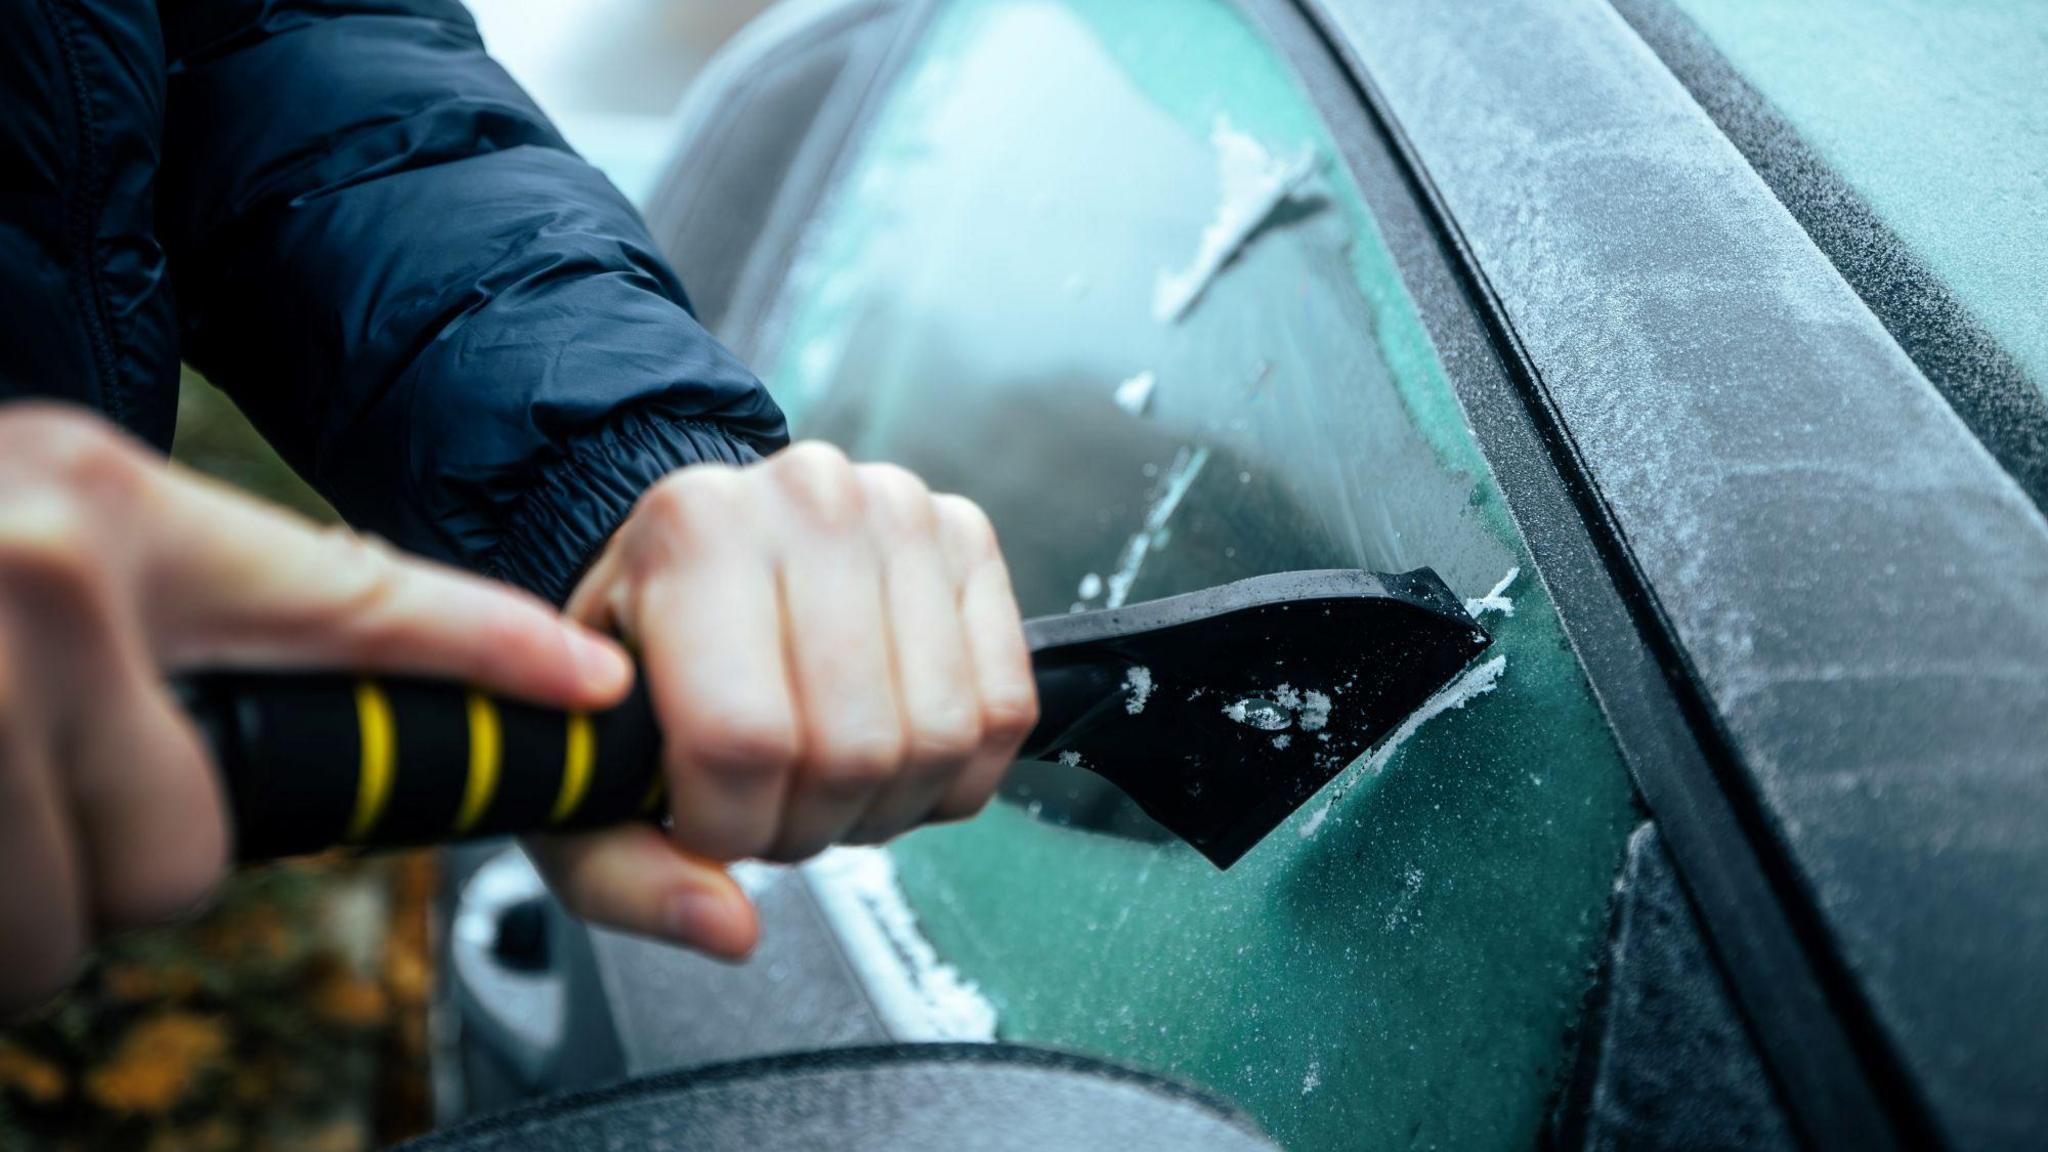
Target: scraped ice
(1138, 682)
(1315, 711)
(1496, 600)
(1186, 466)
(1473, 684)
(1265, 715)
(1070, 758)
(1091, 587)
(919, 997)
(1313, 1079)
(1135, 394)
(1254, 183)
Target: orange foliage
(350, 1001)
(31, 1076)
(158, 1062)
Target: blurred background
(293, 1013)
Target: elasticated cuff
(582, 497)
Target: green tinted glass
(1100, 268)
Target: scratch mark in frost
(1460, 692)
(1254, 183)
(1186, 466)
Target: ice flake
(1254, 183)
(1253, 712)
(1496, 600)
(1138, 681)
(1315, 711)
(1135, 394)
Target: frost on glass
(1402, 963)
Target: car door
(1183, 292)
(1103, 267)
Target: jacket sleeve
(456, 329)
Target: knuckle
(745, 749)
(50, 566)
(969, 526)
(686, 499)
(943, 738)
(855, 764)
(1010, 716)
(820, 481)
(691, 506)
(367, 579)
(898, 500)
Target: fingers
(833, 651)
(852, 726)
(634, 880)
(231, 581)
(112, 816)
(148, 811)
(1004, 684)
(934, 678)
(43, 927)
(703, 607)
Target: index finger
(231, 581)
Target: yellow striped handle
(312, 761)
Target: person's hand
(834, 655)
(114, 568)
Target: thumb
(231, 581)
(634, 879)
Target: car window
(1099, 265)
(1936, 113)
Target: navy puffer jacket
(348, 217)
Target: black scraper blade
(1221, 712)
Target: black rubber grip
(315, 761)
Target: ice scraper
(1219, 712)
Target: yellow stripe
(484, 752)
(576, 762)
(655, 791)
(379, 759)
